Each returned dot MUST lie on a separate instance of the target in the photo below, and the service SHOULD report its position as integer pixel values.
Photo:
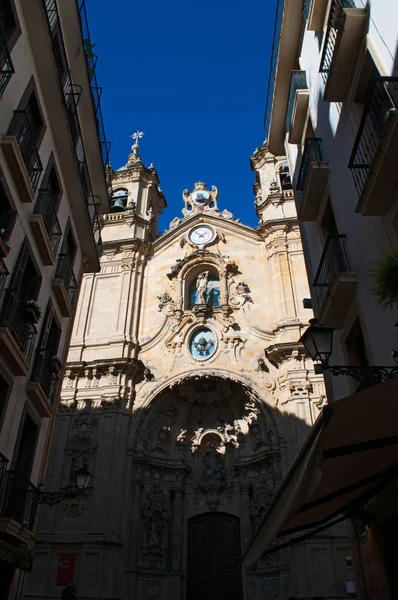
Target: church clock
(201, 235)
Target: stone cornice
(133, 243)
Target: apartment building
(53, 154)
(332, 109)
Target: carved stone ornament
(200, 199)
(164, 300)
(151, 589)
(241, 295)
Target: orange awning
(350, 454)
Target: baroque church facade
(186, 396)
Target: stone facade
(186, 393)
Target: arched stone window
(204, 287)
(119, 200)
(284, 176)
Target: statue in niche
(154, 531)
(213, 467)
(155, 534)
(201, 287)
(262, 496)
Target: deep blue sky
(192, 76)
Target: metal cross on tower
(137, 135)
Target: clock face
(201, 235)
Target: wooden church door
(214, 558)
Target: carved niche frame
(185, 270)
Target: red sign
(66, 569)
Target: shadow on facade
(179, 486)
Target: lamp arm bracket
(372, 375)
(52, 498)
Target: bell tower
(135, 192)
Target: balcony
(3, 276)
(43, 385)
(345, 35)
(334, 283)
(96, 90)
(45, 227)
(18, 502)
(374, 156)
(17, 333)
(314, 12)
(6, 66)
(22, 155)
(312, 182)
(297, 107)
(65, 285)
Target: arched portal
(206, 445)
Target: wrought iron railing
(312, 153)
(333, 261)
(334, 24)
(382, 102)
(20, 499)
(306, 8)
(298, 82)
(3, 275)
(71, 93)
(273, 63)
(64, 271)
(45, 206)
(6, 66)
(14, 316)
(44, 373)
(21, 129)
(96, 90)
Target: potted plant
(33, 311)
(56, 364)
(4, 248)
(385, 279)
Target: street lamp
(318, 341)
(82, 478)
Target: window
(328, 222)
(33, 111)
(284, 176)
(26, 278)
(30, 104)
(7, 212)
(26, 446)
(51, 182)
(205, 289)
(355, 346)
(5, 390)
(9, 22)
(47, 364)
(368, 71)
(69, 245)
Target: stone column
(134, 525)
(177, 529)
(246, 527)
